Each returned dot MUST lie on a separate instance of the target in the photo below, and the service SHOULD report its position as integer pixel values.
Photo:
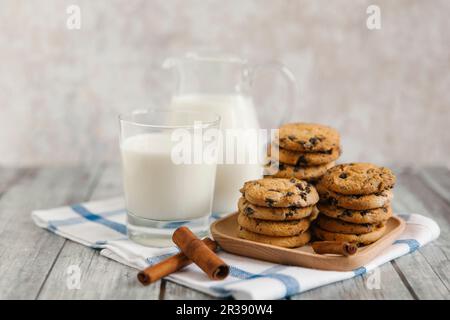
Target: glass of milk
(169, 167)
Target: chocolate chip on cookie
(358, 179)
(310, 173)
(339, 226)
(275, 214)
(360, 239)
(376, 215)
(286, 242)
(302, 159)
(308, 137)
(278, 192)
(354, 202)
(273, 228)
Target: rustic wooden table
(33, 262)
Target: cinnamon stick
(169, 265)
(334, 247)
(200, 254)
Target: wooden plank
(101, 278)
(9, 177)
(426, 271)
(110, 183)
(437, 255)
(438, 179)
(362, 287)
(27, 252)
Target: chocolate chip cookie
(358, 179)
(273, 228)
(275, 214)
(356, 216)
(278, 192)
(302, 159)
(311, 173)
(361, 239)
(286, 242)
(354, 202)
(336, 225)
(308, 137)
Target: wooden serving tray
(225, 230)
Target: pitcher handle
(289, 79)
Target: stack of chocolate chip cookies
(354, 203)
(277, 211)
(306, 151)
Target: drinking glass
(169, 160)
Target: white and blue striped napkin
(101, 225)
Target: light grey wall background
(387, 91)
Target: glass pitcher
(223, 84)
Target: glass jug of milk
(222, 84)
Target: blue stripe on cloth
(216, 215)
(51, 227)
(359, 271)
(413, 244)
(221, 290)
(290, 283)
(177, 224)
(404, 216)
(156, 259)
(54, 224)
(99, 244)
(174, 225)
(240, 274)
(85, 213)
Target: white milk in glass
(236, 112)
(158, 189)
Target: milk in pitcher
(236, 112)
